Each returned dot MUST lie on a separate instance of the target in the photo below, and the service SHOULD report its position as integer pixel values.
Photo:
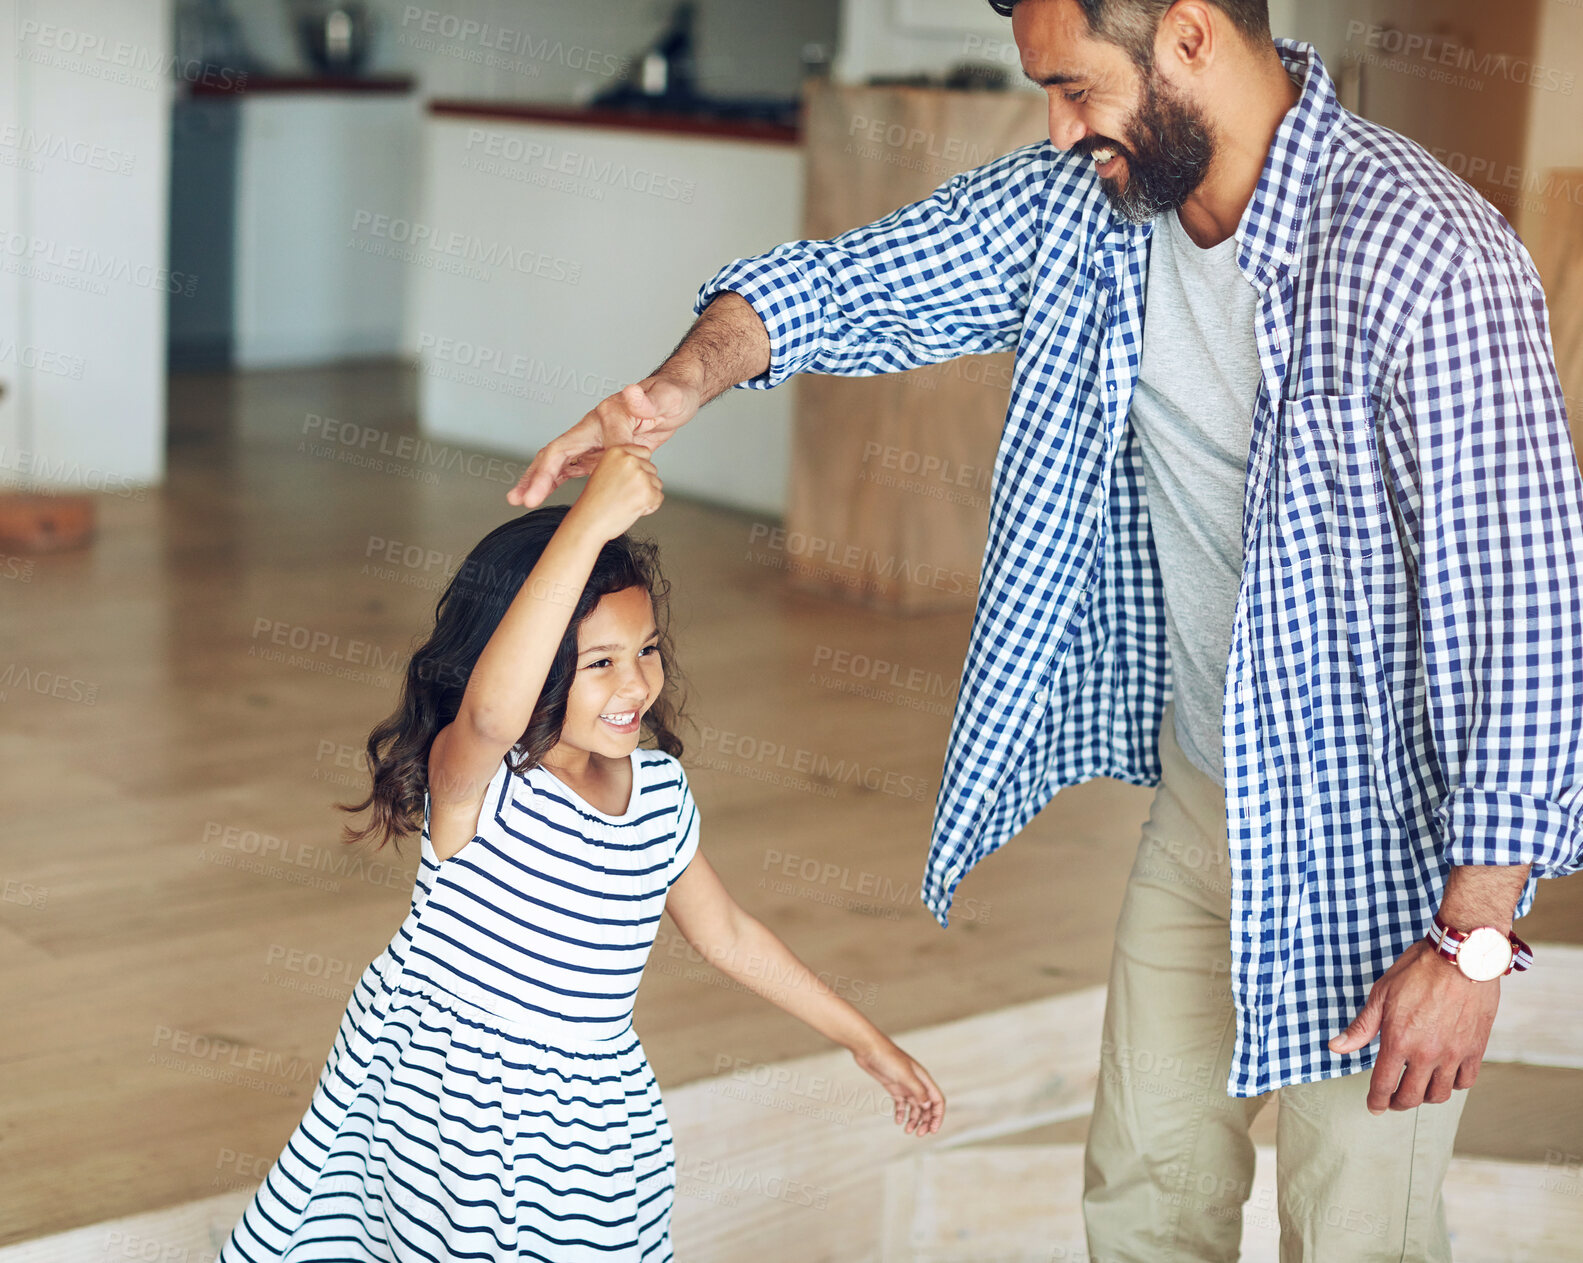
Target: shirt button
(1041, 697)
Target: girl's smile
(625, 723)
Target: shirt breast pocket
(1328, 497)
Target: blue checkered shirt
(1404, 690)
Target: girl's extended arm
(505, 683)
(743, 948)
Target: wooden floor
(179, 926)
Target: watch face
(1484, 954)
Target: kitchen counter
(250, 85)
(561, 252)
(618, 119)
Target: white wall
(1322, 23)
(901, 37)
(326, 193)
(1283, 19)
(15, 427)
(85, 143)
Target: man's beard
(1169, 149)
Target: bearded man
(1301, 548)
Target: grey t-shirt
(1193, 415)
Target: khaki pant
(1169, 1164)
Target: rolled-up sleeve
(943, 277)
(1500, 585)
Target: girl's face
(617, 678)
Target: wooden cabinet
(1492, 91)
(1460, 77)
(888, 500)
(1557, 246)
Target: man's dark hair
(1131, 24)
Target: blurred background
(290, 292)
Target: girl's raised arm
(506, 681)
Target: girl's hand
(643, 415)
(623, 487)
(920, 1104)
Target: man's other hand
(1434, 1025)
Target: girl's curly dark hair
(465, 617)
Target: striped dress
(486, 1096)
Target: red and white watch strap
(1448, 943)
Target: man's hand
(726, 345)
(642, 415)
(1433, 1024)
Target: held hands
(624, 487)
(1433, 1024)
(642, 415)
(920, 1105)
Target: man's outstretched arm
(946, 276)
(726, 345)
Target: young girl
(486, 1096)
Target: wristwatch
(1481, 953)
